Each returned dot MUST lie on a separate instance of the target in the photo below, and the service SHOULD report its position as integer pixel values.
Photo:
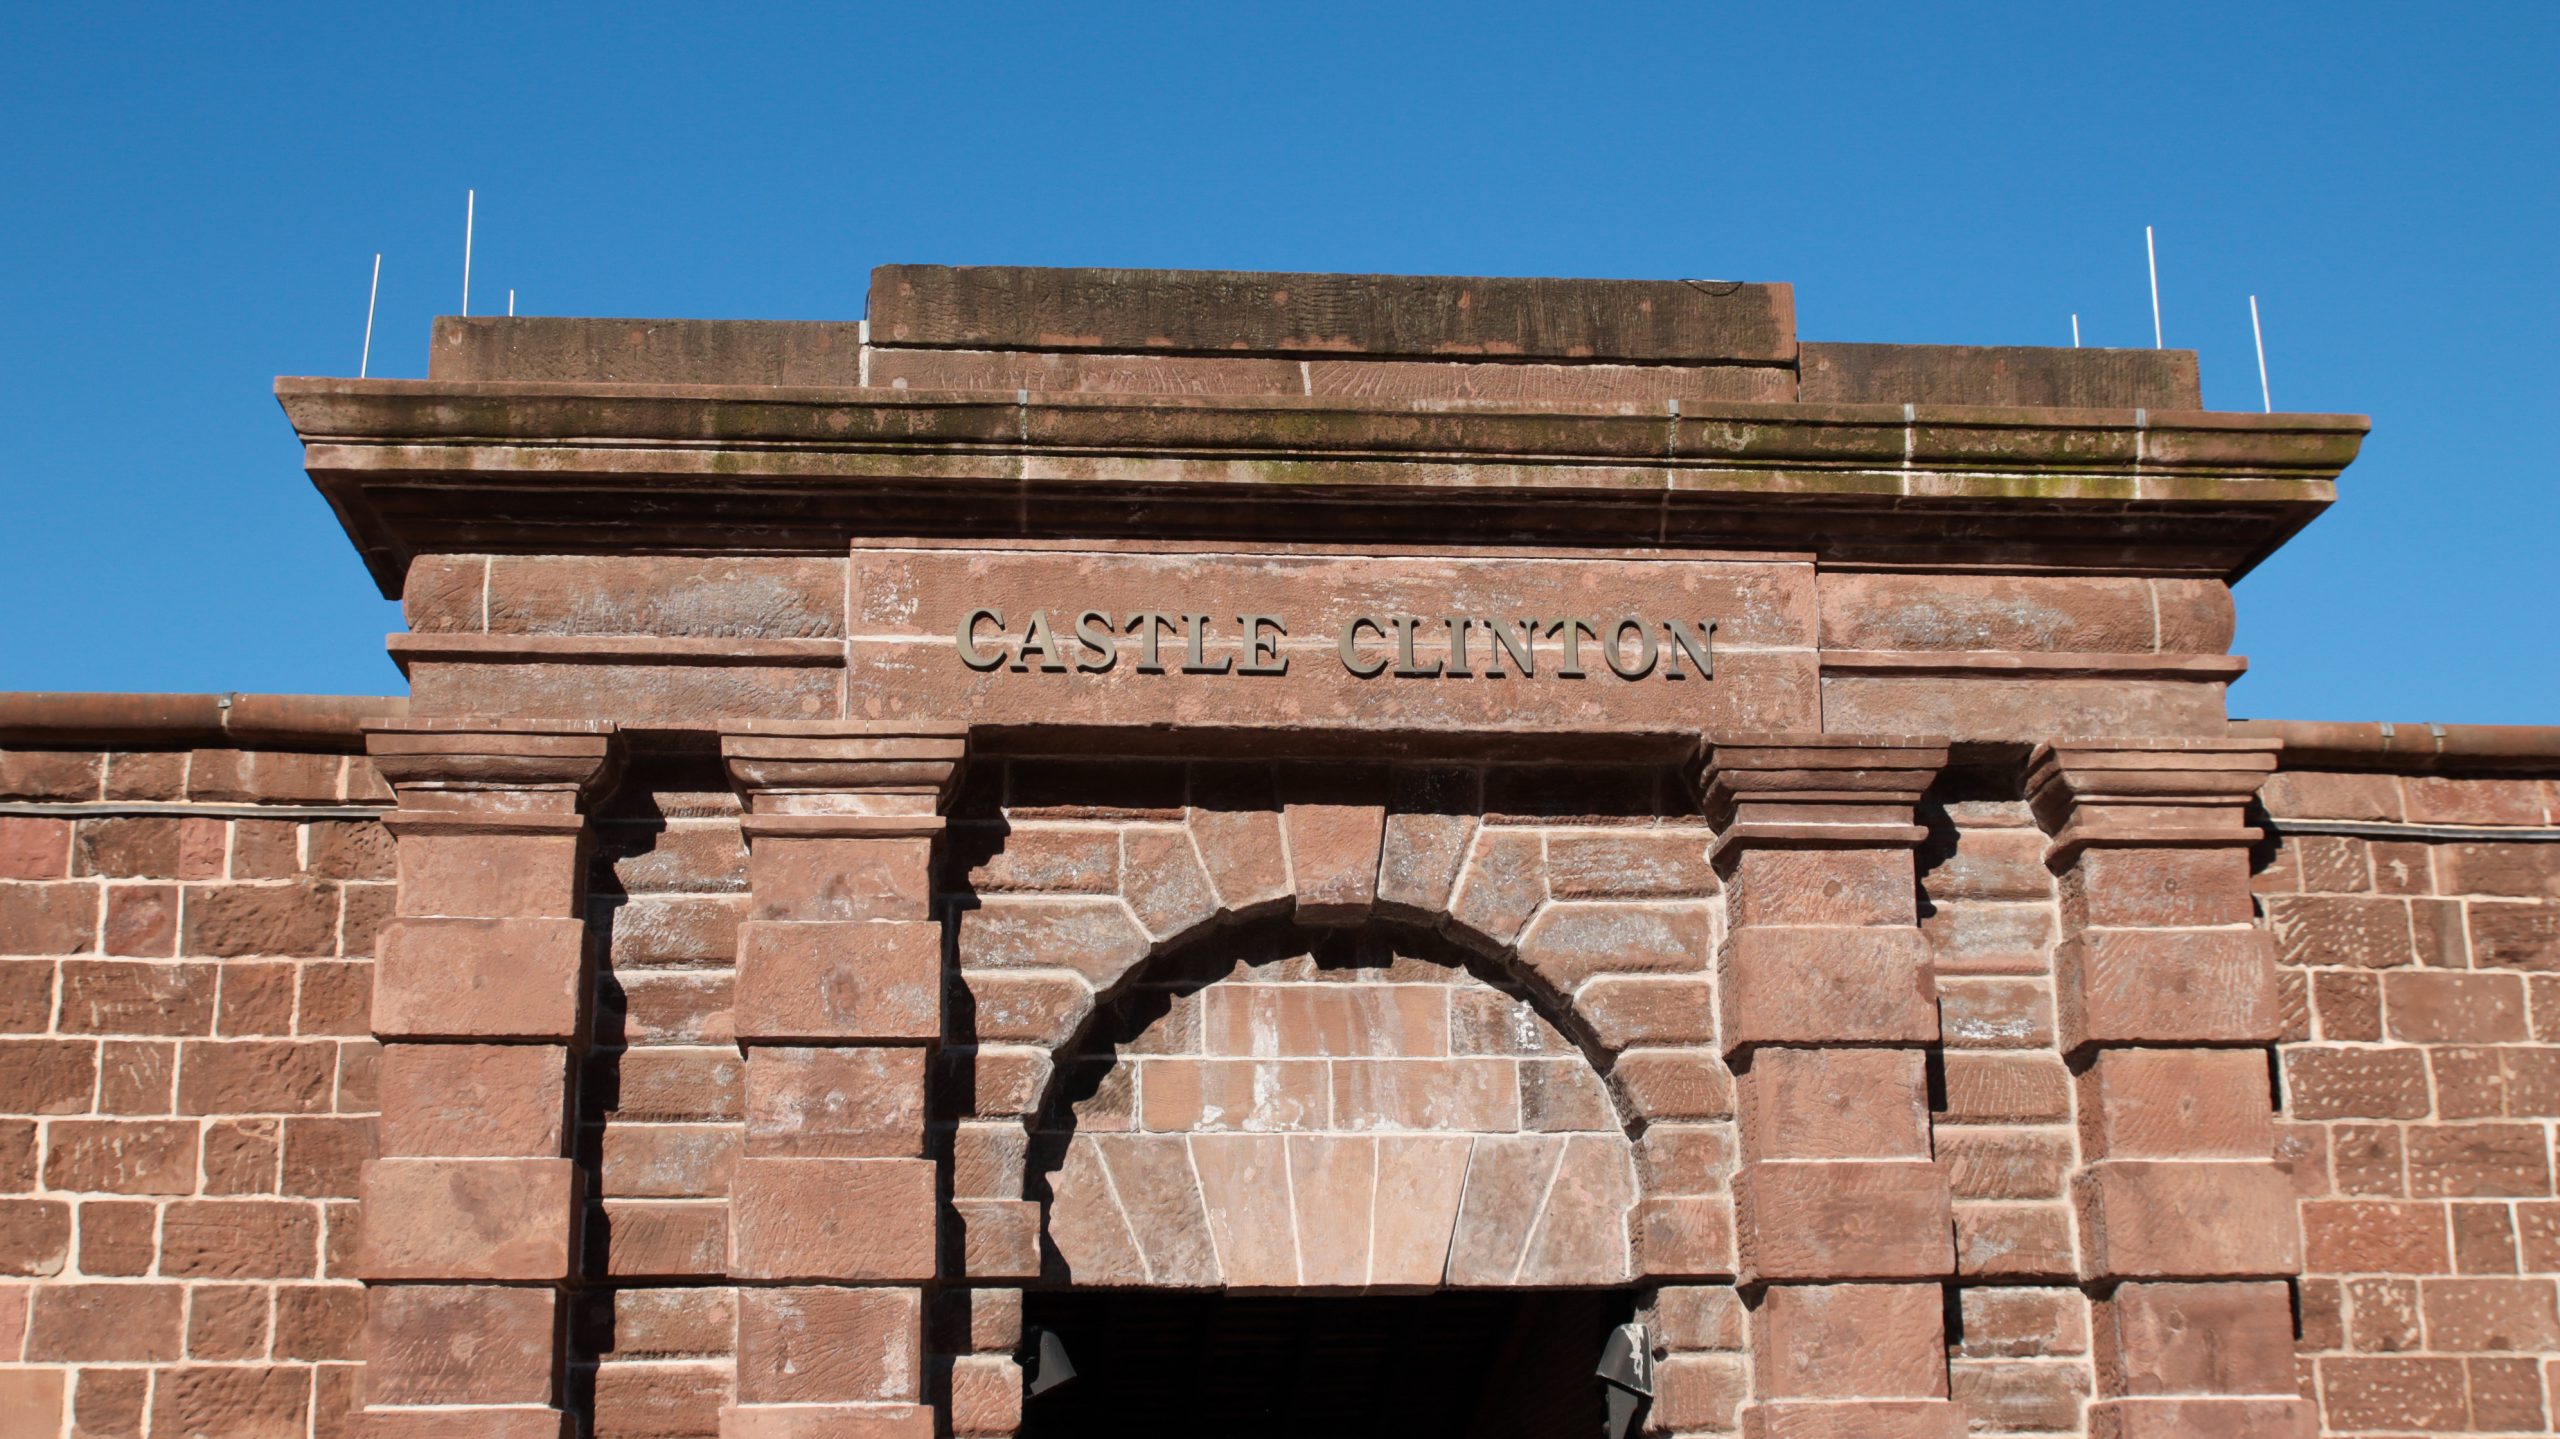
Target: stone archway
(1284, 1108)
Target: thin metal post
(364, 362)
(470, 199)
(511, 303)
(2266, 398)
(2075, 331)
(2152, 252)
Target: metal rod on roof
(364, 361)
(2075, 331)
(2152, 252)
(511, 303)
(2266, 398)
(470, 200)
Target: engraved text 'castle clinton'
(1401, 646)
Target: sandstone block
(986, 1396)
(1661, 1084)
(105, 1323)
(833, 1220)
(1684, 1237)
(1570, 943)
(1826, 986)
(2176, 1104)
(848, 1101)
(519, 1422)
(838, 981)
(2147, 1219)
(999, 1238)
(659, 1239)
(2178, 1418)
(2203, 986)
(464, 1219)
(2168, 1338)
(827, 1344)
(2439, 1008)
(474, 1100)
(2352, 1083)
(834, 879)
(481, 979)
(1235, 822)
(1097, 938)
(2023, 1323)
(489, 875)
(827, 1421)
(1842, 1219)
(1841, 1341)
(2144, 888)
(428, 1344)
(1834, 1104)
(1853, 1419)
(48, 918)
(1033, 1007)
(1334, 853)
(1818, 887)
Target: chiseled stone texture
(2421, 1000)
(187, 1091)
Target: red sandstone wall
(2421, 1083)
(186, 1085)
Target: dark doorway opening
(1459, 1365)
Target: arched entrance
(1479, 1364)
(1302, 1180)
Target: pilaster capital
(1817, 790)
(486, 765)
(2146, 793)
(805, 776)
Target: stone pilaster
(1842, 1218)
(2167, 1006)
(481, 993)
(834, 1238)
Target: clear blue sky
(195, 194)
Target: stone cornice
(2146, 793)
(825, 779)
(1816, 791)
(419, 466)
(529, 766)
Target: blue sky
(196, 193)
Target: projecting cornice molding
(417, 467)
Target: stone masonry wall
(2421, 1075)
(187, 1084)
(186, 1090)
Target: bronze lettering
(1699, 647)
(1645, 652)
(1262, 651)
(1523, 650)
(1629, 646)
(1101, 640)
(970, 655)
(1197, 661)
(1407, 667)
(1145, 625)
(1573, 630)
(1038, 638)
(1348, 646)
(1458, 628)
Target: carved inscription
(1368, 646)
